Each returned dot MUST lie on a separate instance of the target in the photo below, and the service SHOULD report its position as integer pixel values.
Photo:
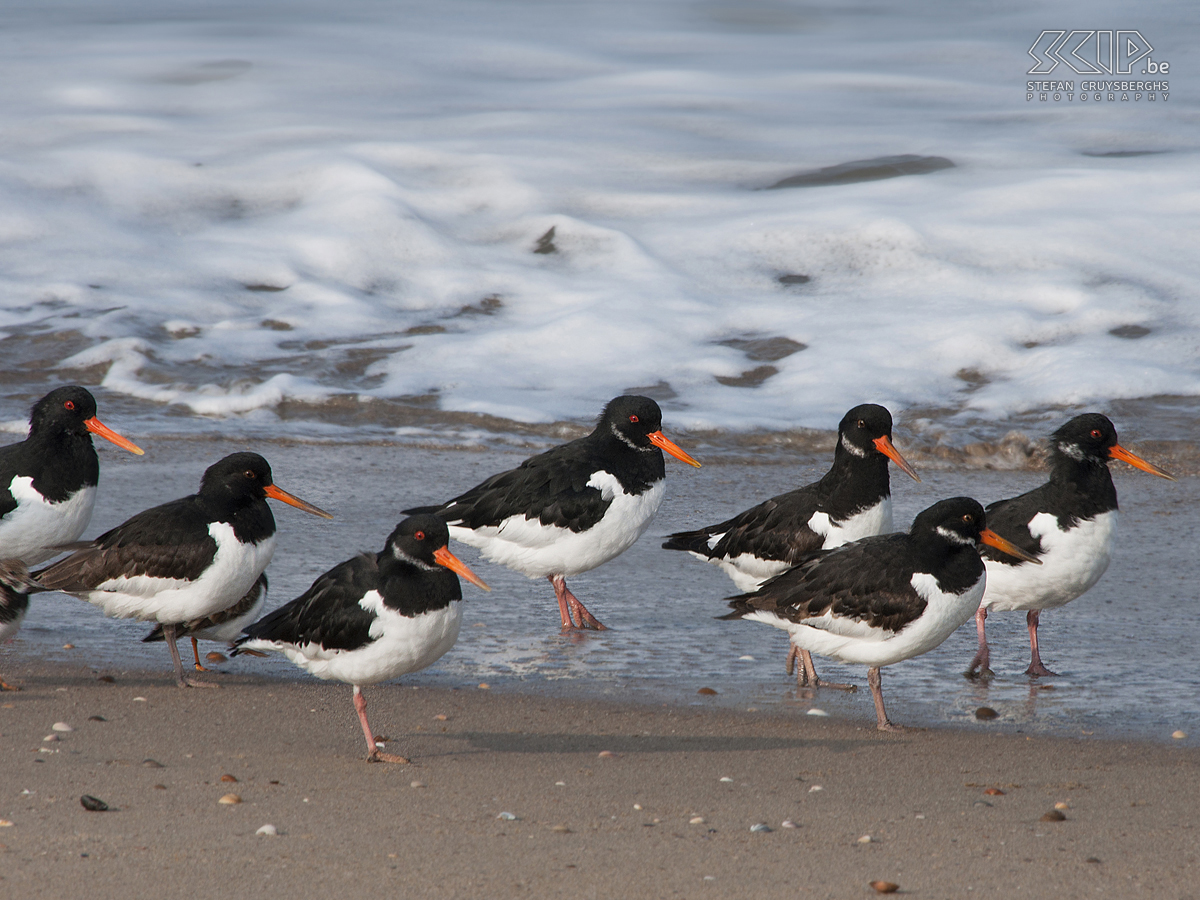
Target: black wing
(551, 487)
(775, 529)
(1010, 519)
(328, 613)
(868, 580)
(168, 541)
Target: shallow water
(1126, 662)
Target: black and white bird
(882, 599)
(1069, 525)
(853, 500)
(574, 507)
(15, 585)
(48, 481)
(226, 625)
(374, 617)
(186, 559)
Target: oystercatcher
(225, 625)
(882, 599)
(853, 500)
(571, 508)
(186, 559)
(374, 617)
(48, 481)
(1068, 524)
(15, 585)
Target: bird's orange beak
(95, 426)
(884, 445)
(1119, 452)
(278, 493)
(992, 539)
(662, 442)
(443, 557)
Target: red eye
(70, 404)
(420, 535)
(633, 418)
(1096, 433)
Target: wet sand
(431, 828)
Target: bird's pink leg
(982, 655)
(881, 719)
(808, 672)
(181, 679)
(575, 616)
(1035, 664)
(374, 754)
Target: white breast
(231, 574)
(401, 644)
(538, 550)
(32, 530)
(1073, 561)
(854, 641)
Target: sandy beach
(609, 800)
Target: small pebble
(747, 658)
(707, 691)
(761, 828)
(213, 656)
(229, 778)
(986, 713)
(814, 788)
(268, 829)
(107, 679)
(560, 784)
(97, 719)
(1061, 805)
(727, 780)
(51, 737)
(788, 823)
(230, 800)
(152, 764)
(981, 803)
(139, 699)
(865, 839)
(606, 754)
(1091, 859)
(416, 784)
(994, 792)
(637, 806)
(68, 646)
(507, 816)
(160, 787)
(1055, 815)
(885, 887)
(484, 686)
(696, 820)
(816, 712)
(710, 877)
(5, 823)
(561, 829)
(1179, 735)
(441, 717)
(61, 726)
(93, 804)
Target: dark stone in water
(750, 379)
(488, 306)
(1129, 332)
(767, 349)
(794, 279)
(265, 288)
(545, 244)
(986, 713)
(93, 804)
(866, 170)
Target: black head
(1088, 437)
(63, 409)
(239, 476)
(865, 432)
(632, 419)
(958, 521)
(417, 538)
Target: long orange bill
(884, 445)
(992, 539)
(95, 426)
(279, 493)
(443, 557)
(1119, 452)
(662, 442)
